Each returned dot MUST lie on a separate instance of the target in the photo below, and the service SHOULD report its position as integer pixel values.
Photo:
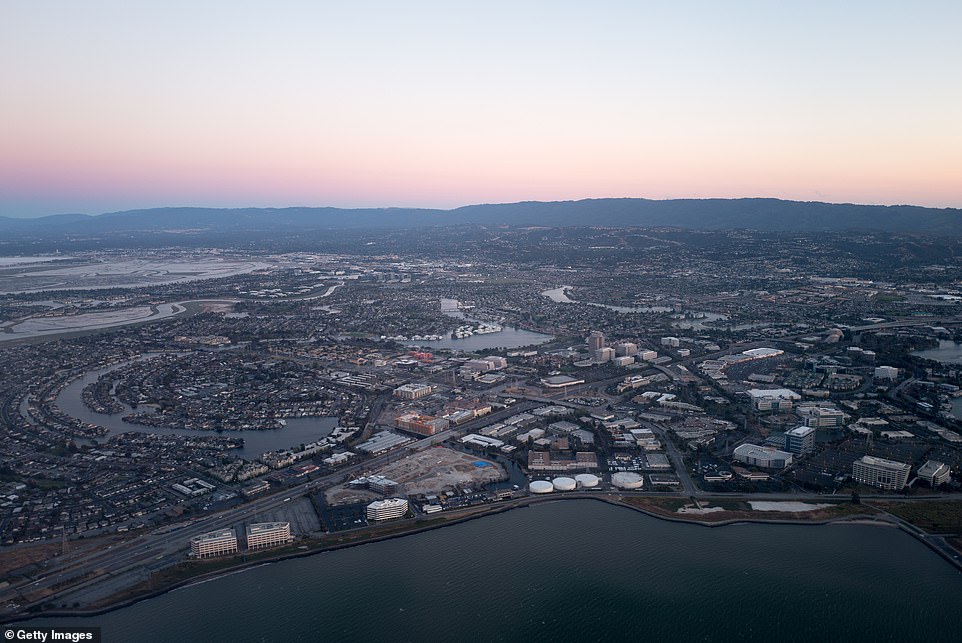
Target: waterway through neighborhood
(297, 430)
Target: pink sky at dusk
(109, 106)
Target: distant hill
(696, 214)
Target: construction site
(429, 472)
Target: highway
(86, 577)
(71, 577)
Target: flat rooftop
(220, 534)
(261, 527)
(882, 462)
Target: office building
(777, 399)
(626, 348)
(881, 473)
(421, 424)
(413, 391)
(261, 535)
(595, 340)
(214, 543)
(800, 440)
(886, 373)
(604, 354)
(387, 509)
(821, 417)
(382, 485)
(935, 473)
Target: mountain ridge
(762, 214)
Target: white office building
(261, 535)
(881, 473)
(821, 416)
(214, 543)
(387, 509)
(886, 373)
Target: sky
(111, 105)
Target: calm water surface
(948, 352)
(298, 430)
(575, 571)
(506, 338)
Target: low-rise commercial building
(383, 441)
(778, 399)
(254, 488)
(542, 461)
(761, 456)
(413, 391)
(560, 381)
(485, 364)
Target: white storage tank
(564, 483)
(627, 480)
(541, 486)
(587, 480)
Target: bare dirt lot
(429, 472)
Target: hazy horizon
(446, 209)
(113, 106)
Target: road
(86, 577)
(70, 578)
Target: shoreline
(858, 519)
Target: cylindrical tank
(541, 486)
(564, 483)
(627, 480)
(587, 480)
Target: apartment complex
(421, 424)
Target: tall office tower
(595, 340)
